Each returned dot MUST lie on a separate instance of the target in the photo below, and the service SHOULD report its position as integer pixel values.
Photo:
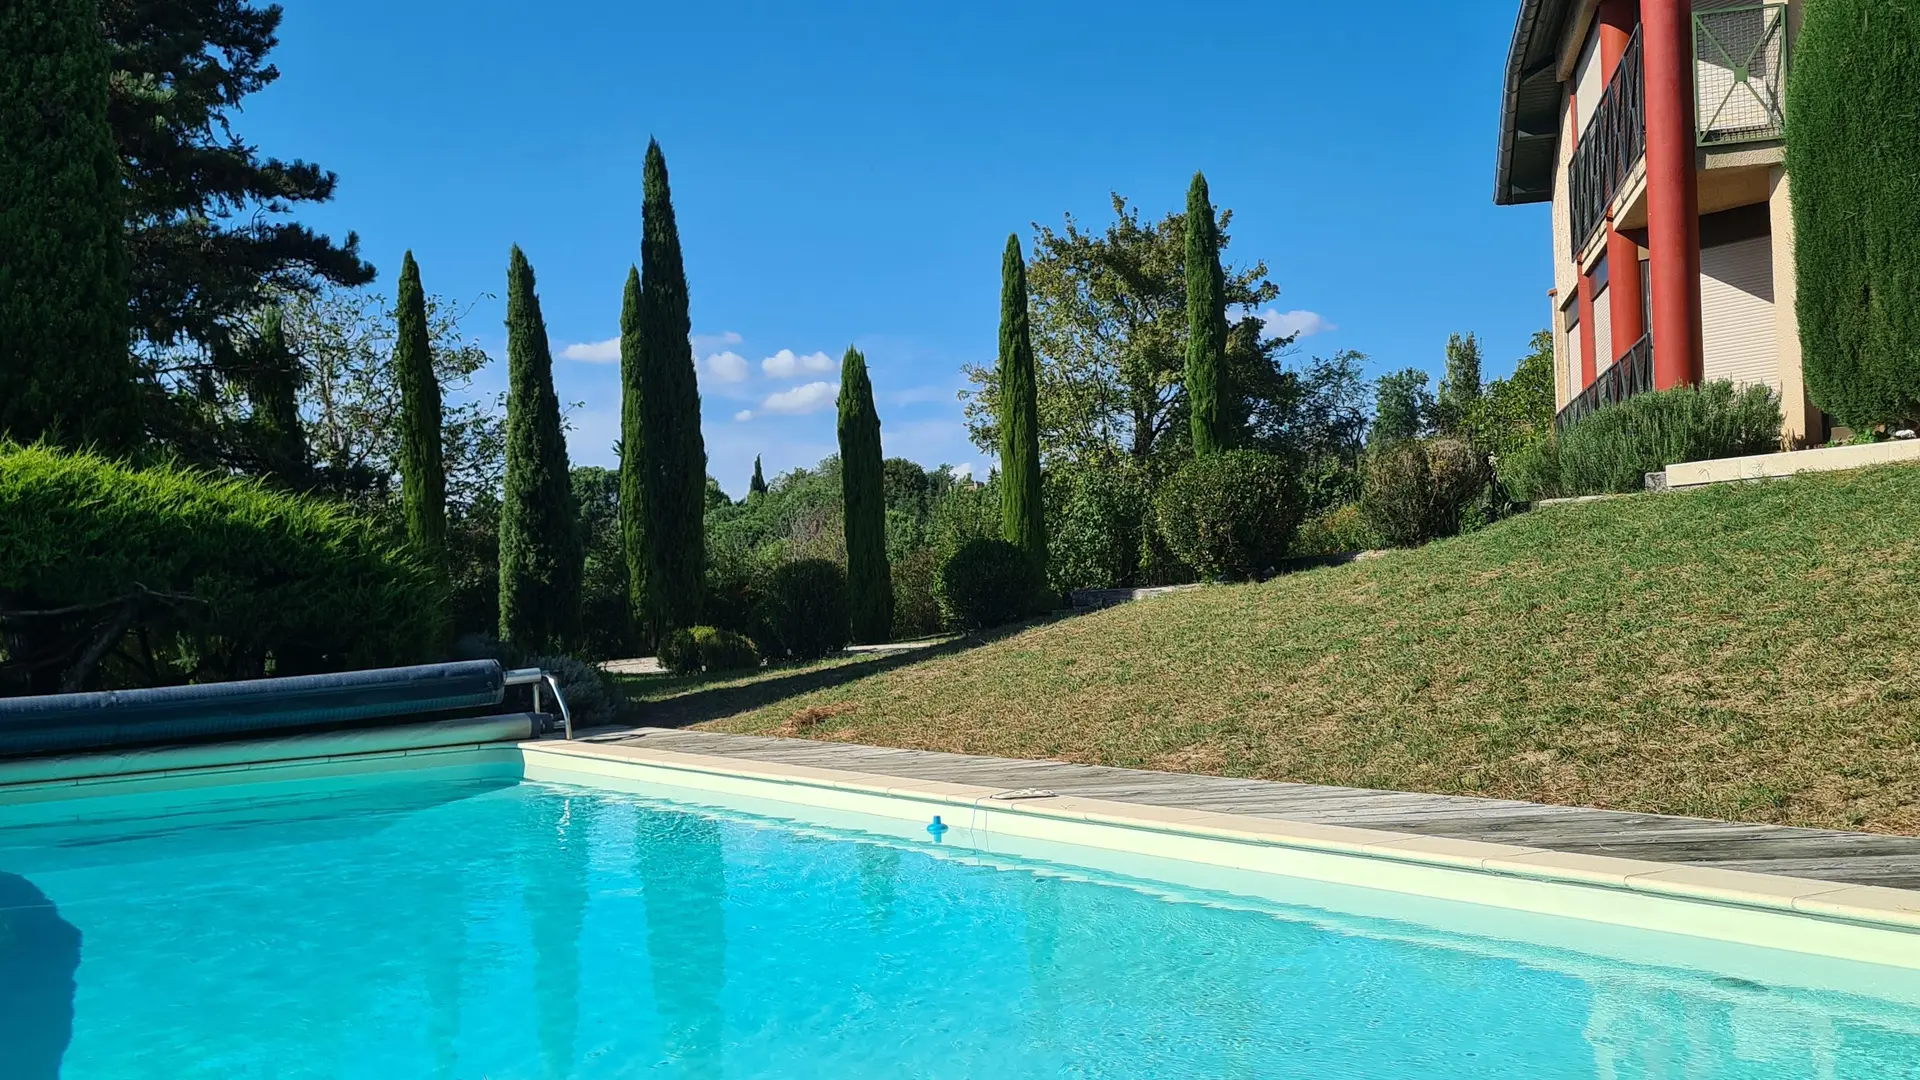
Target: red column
(1673, 198)
(1617, 20)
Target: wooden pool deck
(1819, 854)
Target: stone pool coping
(1818, 901)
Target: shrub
(592, 697)
(1097, 516)
(1417, 490)
(916, 605)
(1614, 448)
(737, 601)
(1336, 532)
(200, 578)
(1532, 472)
(807, 608)
(987, 582)
(704, 648)
(1230, 515)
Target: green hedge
(1614, 448)
(1854, 160)
(165, 575)
(808, 608)
(988, 582)
(1418, 490)
(704, 648)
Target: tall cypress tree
(1854, 165)
(1206, 324)
(674, 451)
(758, 485)
(423, 477)
(864, 500)
(66, 372)
(1022, 518)
(540, 549)
(633, 456)
(275, 444)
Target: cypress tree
(66, 372)
(423, 478)
(1022, 519)
(1854, 163)
(270, 374)
(864, 500)
(1206, 324)
(540, 550)
(633, 456)
(674, 451)
(758, 485)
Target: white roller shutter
(1736, 312)
(1602, 329)
(1587, 85)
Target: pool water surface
(487, 928)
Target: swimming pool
(463, 922)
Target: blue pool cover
(111, 719)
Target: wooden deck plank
(1826, 855)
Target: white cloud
(961, 471)
(1303, 323)
(593, 352)
(743, 416)
(785, 364)
(703, 342)
(811, 397)
(728, 366)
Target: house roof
(1530, 105)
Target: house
(1655, 128)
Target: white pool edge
(1867, 924)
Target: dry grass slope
(1744, 652)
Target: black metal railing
(1631, 374)
(1614, 139)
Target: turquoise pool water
(485, 928)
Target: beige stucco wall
(1566, 280)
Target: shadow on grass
(714, 703)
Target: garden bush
(807, 609)
(1096, 519)
(166, 575)
(705, 648)
(1336, 532)
(1532, 472)
(988, 582)
(1230, 515)
(1416, 490)
(592, 697)
(1614, 448)
(916, 603)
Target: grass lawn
(1745, 651)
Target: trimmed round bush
(807, 608)
(987, 582)
(1338, 531)
(167, 575)
(1230, 515)
(916, 607)
(705, 648)
(1417, 490)
(1097, 519)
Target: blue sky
(847, 173)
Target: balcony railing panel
(1740, 73)
(1631, 374)
(1614, 139)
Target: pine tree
(540, 550)
(270, 376)
(864, 501)
(1206, 325)
(423, 478)
(633, 456)
(1854, 164)
(758, 485)
(1022, 518)
(66, 372)
(674, 451)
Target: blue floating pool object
(937, 827)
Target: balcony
(1631, 374)
(1740, 79)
